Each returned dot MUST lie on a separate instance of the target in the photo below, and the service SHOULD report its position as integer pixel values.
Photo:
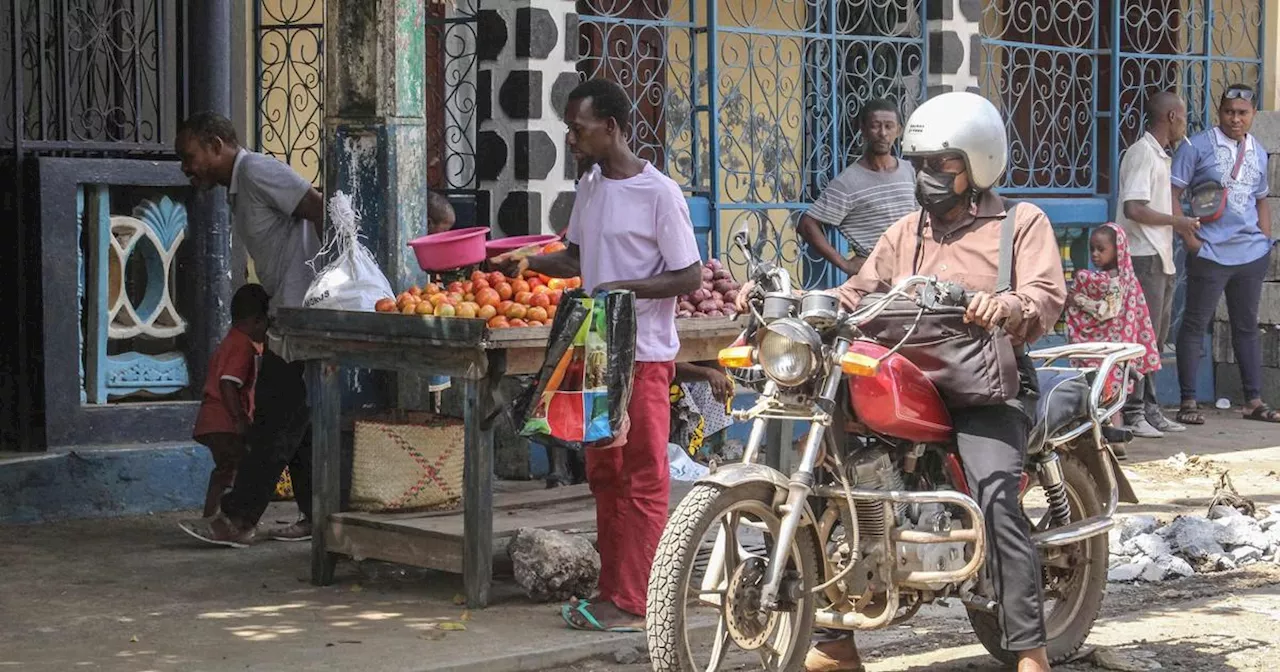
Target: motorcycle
(877, 518)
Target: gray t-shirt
(263, 195)
(863, 203)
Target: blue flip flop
(580, 607)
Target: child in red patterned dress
(1107, 305)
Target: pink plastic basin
(503, 245)
(448, 250)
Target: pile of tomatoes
(502, 301)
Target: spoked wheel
(1075, 576)
(706, 583)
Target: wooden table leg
(477, 482)
(326, 464)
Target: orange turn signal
(737, 357)
(855, 364)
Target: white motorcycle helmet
(964, 123)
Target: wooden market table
(463, 349)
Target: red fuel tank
(899, 401)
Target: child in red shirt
(227, 408)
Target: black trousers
(1157, 289)
(992, 441)
(280, 437)
(1207, 282)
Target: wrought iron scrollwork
(290, 52)
(451, 95)
(89, 73)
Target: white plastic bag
(352, 281)
(682, 467)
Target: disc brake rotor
(748, 625)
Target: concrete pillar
(528, 51)
(374, 124)
(209, 89)
(955, 45)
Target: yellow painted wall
(1271, 56)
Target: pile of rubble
(1144, 550)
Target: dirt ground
(1225, 621)
(136, 594)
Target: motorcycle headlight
(789, 351)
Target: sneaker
(1143, 429)
(218, 531)
(1164, 424)
(299, 531)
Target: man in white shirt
(276, 212)
(1147, 215)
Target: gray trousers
(1157, 289)
(992, 441)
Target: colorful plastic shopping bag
(579, 398)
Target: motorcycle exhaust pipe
(853, 620)
(974, 534)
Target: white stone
(1153, 572)
(1194, 537)
(1239, 531)
(1245, 554)
(1128, 572)
(1132, 526)
(1223, 511)
(1150, 545)
(1223, 563)
(1269, 522)
(1177, 567)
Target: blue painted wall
(103, 483)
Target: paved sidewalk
(136, 594)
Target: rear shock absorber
(1055, 488)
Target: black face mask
(936, 192)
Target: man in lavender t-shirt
(630, 230)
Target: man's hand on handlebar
(986, 310)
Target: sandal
(587, 621)
(1190, 415)
(1263, 413)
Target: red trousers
(632, 486)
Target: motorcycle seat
(1063, 402)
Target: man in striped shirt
(874, 192)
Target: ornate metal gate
(289, 118)
(80, 79)
(749, 104)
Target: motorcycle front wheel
(704, 590)
(1075, 577)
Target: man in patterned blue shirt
(1229, 254)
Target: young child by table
(226, 410)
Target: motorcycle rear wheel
(1071, 618)
(671, 584)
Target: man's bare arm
(311, 208)
(563, 264)
(811, 231)
(663, 285)
(1264, 216)
(1142, 213)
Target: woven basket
(407, 466)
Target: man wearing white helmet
(958, 145)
